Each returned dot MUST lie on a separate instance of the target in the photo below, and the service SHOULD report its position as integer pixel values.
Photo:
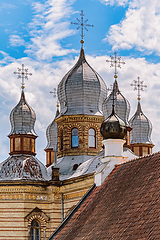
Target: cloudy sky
(39, 35)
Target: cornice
(79, 118)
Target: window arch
(75, 137)
(35, 230)
(91, 138)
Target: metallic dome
(113, 127)
(22, 118)
(122, 106)
(52, 134)
(141, 127)
(82, 90)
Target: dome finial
(23, 74)
(83, 25)
(139, 86)
(116, 63)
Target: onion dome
(23, 167)
(52, 134)
(113, 127)
(122, 106)
(22, 118)
(141, 127)
(82, 90)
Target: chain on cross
(23, 74)
(116, 63)
(83, 25)
(139, 86)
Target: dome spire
(140, 136)
(139, 86)
(23, 74)
(81, 23)
(22, 118)
(116, 63)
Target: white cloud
(139, 29)
(48, 27)
(16, 40)
(113, 2)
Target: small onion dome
(52, 133)
(113, 127)
(141, 127)
(122, 106)
(82, 90)
(22, 118)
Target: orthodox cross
(139, 86)
(54, 92)
(83, 25)
(116, 63)
(23, 74)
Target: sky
(39, 34)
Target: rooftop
(125, 206)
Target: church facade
(35, 199)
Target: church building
(90, 134)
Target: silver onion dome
(122, 106)
(82, 90)
(52, 134)
(141, 127)
(22, 118)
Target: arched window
(75, 138)
(35, 230)
(91, 138)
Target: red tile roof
(126, 206)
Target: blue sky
(39, 34)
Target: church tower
(52, 141)
(140, 137)
(121, 104)
(81, 93)
(22, 135)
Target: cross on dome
(83, 25)
(23, 74)
(54, 92)
(139, 86)
(116, 63)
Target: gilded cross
(116, 63)
(23, 74)
(139, 86)
(83, 25)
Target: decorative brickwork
(83, 123)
